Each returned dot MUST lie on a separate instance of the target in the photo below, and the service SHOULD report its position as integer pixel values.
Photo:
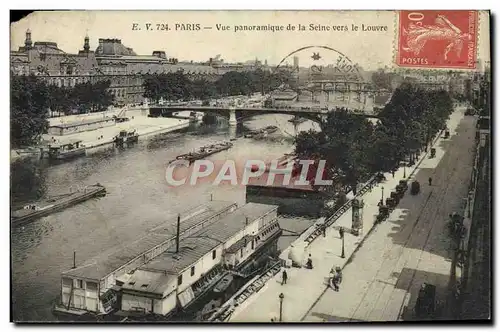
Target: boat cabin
(189, 269)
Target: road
(411, 247)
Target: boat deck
(57, 203)
(111, 260)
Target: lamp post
(341, 233)
(281, 296)
(404, 169)
(382, 194)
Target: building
(77, 127)
(111, 61)
(184, 272)
(90, 286)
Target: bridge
(235, 113)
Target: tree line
(32, 100)
(177, 86)
(355, 148)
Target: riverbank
(139, 121)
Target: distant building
(112, 61)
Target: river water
(138, 198)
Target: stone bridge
(239, 113)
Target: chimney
(101, 45)
(177, 234)
(27, 41)
(86, 44)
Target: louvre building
(112, 61)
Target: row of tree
(177, 86)
(354, 148)
(32, 100)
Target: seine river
(138, 198)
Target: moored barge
(70, 150)
(126, 137)
(31, 212)
(193, 272)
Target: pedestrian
(309, 264)
(393, 172)
(337, 279)
(284, 277)
(430, 181)
(323, 229)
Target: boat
(263, 132)
(175, 279)
(204, 151)
(224, 283)
(69, 150)
(126, 137)
(297, 120)
(31, 212)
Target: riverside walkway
(382, 266)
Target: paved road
(411, 247)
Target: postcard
(250, 166)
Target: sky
(370, 49)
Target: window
(241, 252)
(91, 285)
(253, 244)
(214, 254)
(144, 285)
(179, 280)
(132, 283)
(79, 283)
(192, 271)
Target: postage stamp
(438, 38)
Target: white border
(184, 4)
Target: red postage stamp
(437, 39)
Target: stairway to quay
(387, 263)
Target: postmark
(318, 78)
(437, 39)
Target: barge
(90, 289)
(190, 279)
(204, 151)
(32, 212)
(183, 279)
(297, 120)
(126, 137)
(261, 132)
(70, 150)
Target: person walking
(430, 181)
(284, 277)
(337, 279)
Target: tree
(342, 144)
(92, 97)
(202, 89)
(29, 110)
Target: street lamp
(341, 233)
(404, 170)
(281, 296)
(382, 194)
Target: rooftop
(80, 123)
(194, 247)
(111, 260)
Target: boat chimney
(177, 234)
(74, 259)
